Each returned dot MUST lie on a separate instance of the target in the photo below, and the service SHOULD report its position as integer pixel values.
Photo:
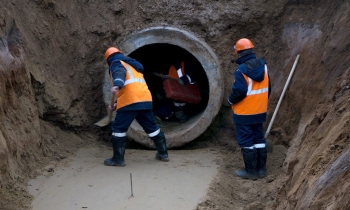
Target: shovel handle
(163, 76)
(112, 105)
(282, 95)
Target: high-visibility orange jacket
(177, 73)
(250, 91)
(134, 89)
(256, 99)
(184, 71)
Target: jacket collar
(245, 58)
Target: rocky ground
(51, 56)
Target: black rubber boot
(162, 151)
(180, 114)
(118, 152)
(261, 162)
(250, 161)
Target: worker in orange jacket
(249, 101)
(134, 101)
(182, 70)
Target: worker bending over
(134, 101)
(183, 71)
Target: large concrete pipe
(144, 46)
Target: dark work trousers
(145, 118)
(249, 135)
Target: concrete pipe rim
(192, 129)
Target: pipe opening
(156, 48)
(159, 58)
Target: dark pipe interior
(159, 58)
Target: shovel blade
(106, 120)
(269, 146)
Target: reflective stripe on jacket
(134, 90)
(257, 97)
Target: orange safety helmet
(111, 51)
(243, 44)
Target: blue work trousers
(123, 120)
(249, 135)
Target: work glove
(112, 108)
(115, 89)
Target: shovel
(269, 143)
(163, 76)
(108, 118)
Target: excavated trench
(50, 96)
(156, 48)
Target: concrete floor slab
(85, 183)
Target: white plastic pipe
(283, 92)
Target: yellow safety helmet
(243, 44)
(110, 51)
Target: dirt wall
(51, 66)
(313, 123)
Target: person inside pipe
(171, 108)
(134, 101)
(249, 101)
